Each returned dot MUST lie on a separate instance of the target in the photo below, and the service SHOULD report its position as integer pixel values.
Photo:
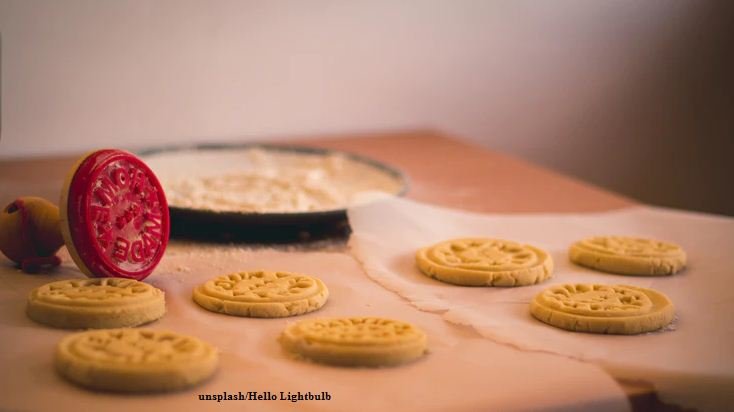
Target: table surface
(442, 171)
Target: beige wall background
(636, 96)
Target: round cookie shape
(628, 255)
(95, 303)
(358, 341)
(114, 215)
(485, 262)
(610, 309)
(262, 294)
(135, 360)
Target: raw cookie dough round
(96, 303)
(613, 309)
(363, 341)
(135, 360)
(262, 294)
(485, 262)
(628, 255)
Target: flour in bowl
(261, 180)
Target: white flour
(266, 181)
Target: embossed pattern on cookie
(628, 255)
(95, 303)
(262, 294)
(135, 360)
(357, 341)
(612, 309)
(485, 262)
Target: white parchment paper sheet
(462, 372)
(692, 363)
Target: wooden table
(442, 171)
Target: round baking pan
(265, 227)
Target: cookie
(364, 341)
(262, 294)
(612, 309)
(135, 360)
(628, 255)
(485, 262)
(95, 303)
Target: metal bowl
(281, 227)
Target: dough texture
(134, 360)
(612, 309)
(628, 255)
(262, 294)
(96, 303)
(359, 341)
(485, 262)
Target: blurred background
(634, 96)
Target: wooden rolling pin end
(30, 234)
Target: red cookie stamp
(114, 216)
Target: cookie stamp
(485, 262)
(114, 215)
(611, 309)
(628, 255)
(262, 294)
(135, 360)
(95, 303)
(358, 341)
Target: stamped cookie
(485, 262)
(95, 303)
(262, 294)
(355, 341)
(612, 309)
(135, 360)
(628, 255)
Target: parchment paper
(691, 363)
(462, 372)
